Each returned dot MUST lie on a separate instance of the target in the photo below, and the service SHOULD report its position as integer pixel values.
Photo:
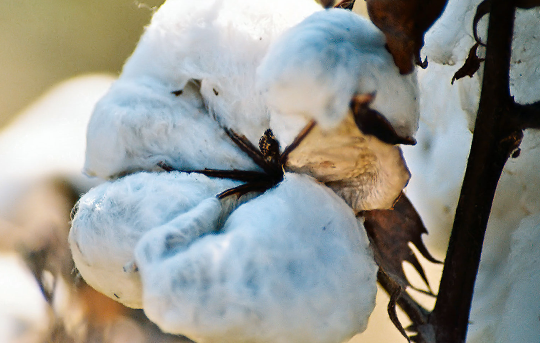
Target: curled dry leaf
(390, 232)
(404, 23)
(364, 171)
(471, 65)
(371, 122)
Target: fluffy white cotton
(210, 50)
(525, 64)
(506, 286)
(317, 67)
(522, 275)
(111, 218)
(292, 265)
(438, 161)
(507, 306)
(451, 37)
(137, 125)
(448, 41)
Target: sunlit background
(46, 41)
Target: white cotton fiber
(111, 218)
(292, 265)
(438, 161)
(208, 49)
(448, 41)
(506, 284)
(317, 67)
(137, 125)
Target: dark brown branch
(527, 116)
(247, 147)
(493, 141)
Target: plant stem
(494, 140)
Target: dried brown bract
(404, 23)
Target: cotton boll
(317, 67)
(111, 218)
(207, 50)
(292, 265)
(136, 125)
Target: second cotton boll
(111, 218)
(317, 67)
(292, 265)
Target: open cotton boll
(317, 67)
(292, 265)
(111, 218)
(136, 125)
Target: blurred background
(46, 41)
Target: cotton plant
(504, 295)
(231, 215)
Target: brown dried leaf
(371, 122)
(390, 232)
(327, 3)
(404, 23)
(394, 297)
(527, 4)
(471, 65)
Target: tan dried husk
(367, 173)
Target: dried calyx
(267, 156)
